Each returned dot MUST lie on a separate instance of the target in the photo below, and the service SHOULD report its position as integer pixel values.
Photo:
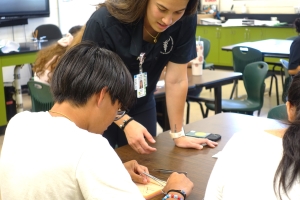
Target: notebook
(150, 190)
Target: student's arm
(97, 169)
(294, 71)
(176, 83)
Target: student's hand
(136, 134)
(136, 172)
(179, 182)
(191, 142)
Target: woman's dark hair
(85, 70)
(129, 11)
(297, 25)
(288, 170)
(75, 29)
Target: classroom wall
(260, 6)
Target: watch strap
(178, 134)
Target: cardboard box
(201, 16)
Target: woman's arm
(176, 83)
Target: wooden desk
(271, 47)
(27, 54)
(209, 79)
(197, 163)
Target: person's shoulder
(296, 42)
(103, 17)
(297, 39)
(188, 19)
(21, 116)
(26, 118)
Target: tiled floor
(195, 113)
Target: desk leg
(3, 120)
(218, 99)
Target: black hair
(85, 70)
(297, 24)
(75, 29)
(288, 170)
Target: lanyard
(141, 58)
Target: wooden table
(209, 79)
(197, 163)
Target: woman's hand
(136, 134)
(136, 172)
(191, 142)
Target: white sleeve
(102, 175)
(222, 170)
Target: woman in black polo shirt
(294, 59)
(149, 35)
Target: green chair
(278, 112)
(41, 96)
(245, 55)
(206, 45)
(253, 76)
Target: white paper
(217, 154)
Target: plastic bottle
(197, 63)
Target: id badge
(140, 84)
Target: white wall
(261, 6)
(75, 12)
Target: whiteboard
(75, 12)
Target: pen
(168, 171)
(160, 182)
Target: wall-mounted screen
(18, 9)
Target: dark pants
(116, 136)
(160, 106)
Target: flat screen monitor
(20, 9)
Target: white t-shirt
(45, 157)
(246, 167)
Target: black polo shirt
(176, 44)
(294, 60)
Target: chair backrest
(287, 80)
(51, 31)
(242, 56)
(41, 96)
(254, 77)
(278, 112)
(206, 44)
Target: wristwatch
(178, 134)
